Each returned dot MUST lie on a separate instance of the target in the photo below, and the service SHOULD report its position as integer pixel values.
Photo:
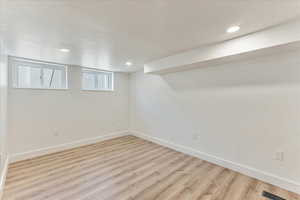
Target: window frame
(14, 62)
(95, 71)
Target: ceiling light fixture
(65, 50)
(233, 29)
(128, 63)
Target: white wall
(40, 119)
(3, 104)
(3, 111)
(242, 112)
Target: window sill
(85, 90)
(47, 89)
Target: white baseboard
(249, 171)
(252, 172)
(3, 173)
(61, 147)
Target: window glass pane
(36, 74)
(57, 79)
(35, 77)
(101, 81)
(96, 80)
(24, 77)
(29, 77)
(88, 81)
(47, 74)
(104, 81)
(53, 78)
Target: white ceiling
(107, 33)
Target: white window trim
(14, 73)
(97, 70)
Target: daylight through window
(38, 75)
(97, 80)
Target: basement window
(31, 74)
(96, 80)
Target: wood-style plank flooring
(129, 168)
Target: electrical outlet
(279, 156)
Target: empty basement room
(149, 100)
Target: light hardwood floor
(129, 168)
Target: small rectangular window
(97, 80)
(38, 75)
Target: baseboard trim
(252, 172)
(61, 147)
(249, 171)
(3, 176)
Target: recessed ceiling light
(233, 29)
(65, 50)
(128, 63)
